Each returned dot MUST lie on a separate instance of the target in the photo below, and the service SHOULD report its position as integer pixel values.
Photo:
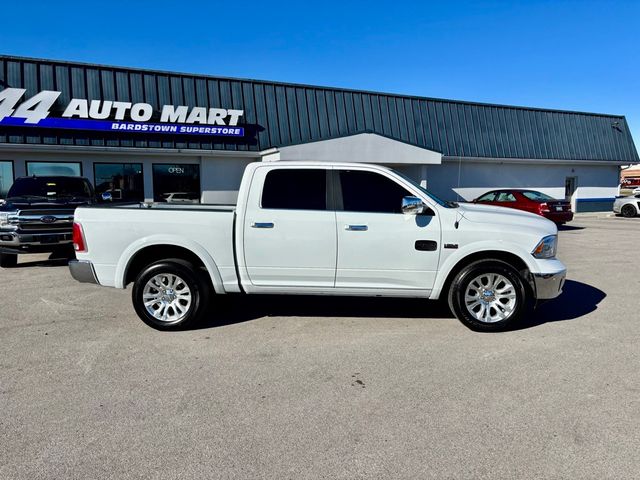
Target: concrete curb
(582, 215)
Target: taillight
(79, 244)
(544, 208)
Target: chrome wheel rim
(167, 298)
(490, 298)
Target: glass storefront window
(6, 177)
(176, 183)
(123, 181)
(72, 169)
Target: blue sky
(576, 55)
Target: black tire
(199, 289)
(8, 260)
(466, 281)
(628, 211)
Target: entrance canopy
(361, 147)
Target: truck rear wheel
(488, 296)
(8, 260)
(170, 294)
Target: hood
(507, 217)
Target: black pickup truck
(37, 215)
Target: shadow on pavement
(577, 299)
(568, 228)
(241, 308)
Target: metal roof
(280, 114)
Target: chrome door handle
(356, 228)
(262, 225)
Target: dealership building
(163, 136)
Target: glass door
(176, 183)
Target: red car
(558, 211)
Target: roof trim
(301, 85)
(529, 161)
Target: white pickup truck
(321, 229)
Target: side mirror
(413, 206)
(106, 196)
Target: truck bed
(112, 235)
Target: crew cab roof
(309, 163)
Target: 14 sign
(82, 114)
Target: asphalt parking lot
(296, 388)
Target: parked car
(627, 206)
(181, 197)
(326, 229)
(558, 211)
(37, 215)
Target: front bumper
(34, 241)
(549, 285)
(82, 271)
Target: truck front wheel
(489, 295)
(170, 294)
(8, 260)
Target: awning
(361, 147)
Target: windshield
(50, 188)
(439, 201)
(537, 196)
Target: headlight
(546, 248)
(4, 219)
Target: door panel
(385, 255)
(376, 242)
(298, 250)
(289, 236)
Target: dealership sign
(107, 115)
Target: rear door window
(537, 196)
(295, 189)
(505, 197)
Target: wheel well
(510, 258)
(155, 253)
